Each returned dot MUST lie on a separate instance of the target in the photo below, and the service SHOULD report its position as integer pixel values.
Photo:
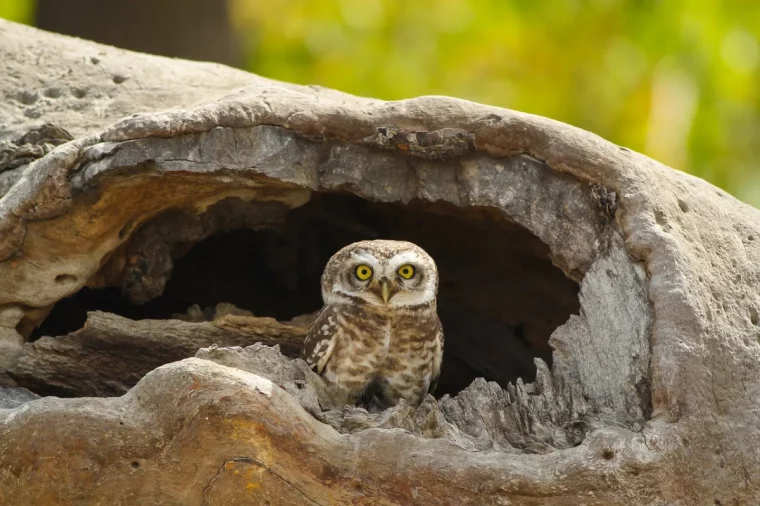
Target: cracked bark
(248, 460)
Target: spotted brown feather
(378, 336)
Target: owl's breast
(407, 369)
(362, 344)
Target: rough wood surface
(110, 354)
(521, 419)
(194, 432)
(659, 367)
(13, 397)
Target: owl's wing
(437, 356)
(320, 340)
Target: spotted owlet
(378, 333)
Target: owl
(378, 337)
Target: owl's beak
(385, 289)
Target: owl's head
(387, 274)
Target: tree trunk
(599, 308)
(192, 29)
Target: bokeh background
(677, 80)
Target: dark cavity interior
(500, 297)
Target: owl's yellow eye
(363, 272)
(406, 271)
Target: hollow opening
(500, 297)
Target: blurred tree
(193, 29)
(676, 80)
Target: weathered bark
(482, 417)
(110, 354)
(650, 398)
(13, 397)
(194, 432)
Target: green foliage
(20, 11)
(673, 79)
